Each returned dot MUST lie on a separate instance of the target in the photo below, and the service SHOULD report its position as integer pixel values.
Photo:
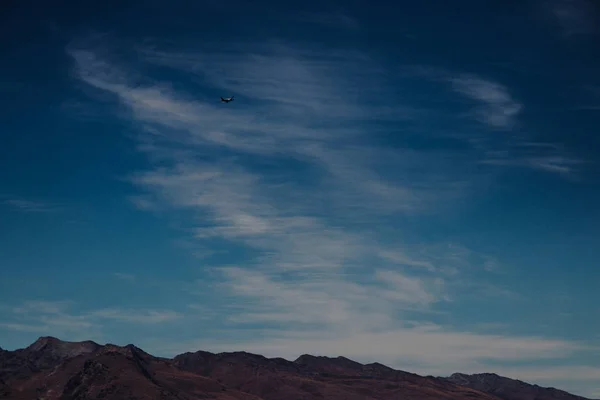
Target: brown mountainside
(52, 369)
(510, 389)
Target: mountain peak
(60, 349)
(310, 357)
(44, 341)
(330, 365)
(379, 366)
(307, 358)
(304, 359)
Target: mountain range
(52, 369)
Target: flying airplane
(227, 99)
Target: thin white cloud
(19, 327)
(26, 205)
(124, 276)
(136, 316)
(401, 258)
(557, 164)
(47, 317)
(561, 165)
(239, 204)
(57, 318)
(406, 289)
(540, 156)
(496, 106)
(144, 203)
(493, 105)
(331, 300)
(39, 306)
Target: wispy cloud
(540, 156)
(332, 300)
(498, 109)
(44, 307)
(124, 276)
(27, 205)
(496, 106)
(136, 316)
(304, 96)
(58, 318)
(19, 327)
(401, 258)
(47, 316)
(493, 105)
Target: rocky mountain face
(51, 369)
(510, 389)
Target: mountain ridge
(507, 388)
(53, 369)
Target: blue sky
(413, 184)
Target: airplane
(227, 99)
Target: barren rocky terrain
(51, 369)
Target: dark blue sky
(415, 184)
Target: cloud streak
(59, 319)
(136, 316)
(498, 109)
(26, 205)
(124, 276)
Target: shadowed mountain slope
(510, 389)
(52, 369)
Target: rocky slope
(510, 389)
(51, 369)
